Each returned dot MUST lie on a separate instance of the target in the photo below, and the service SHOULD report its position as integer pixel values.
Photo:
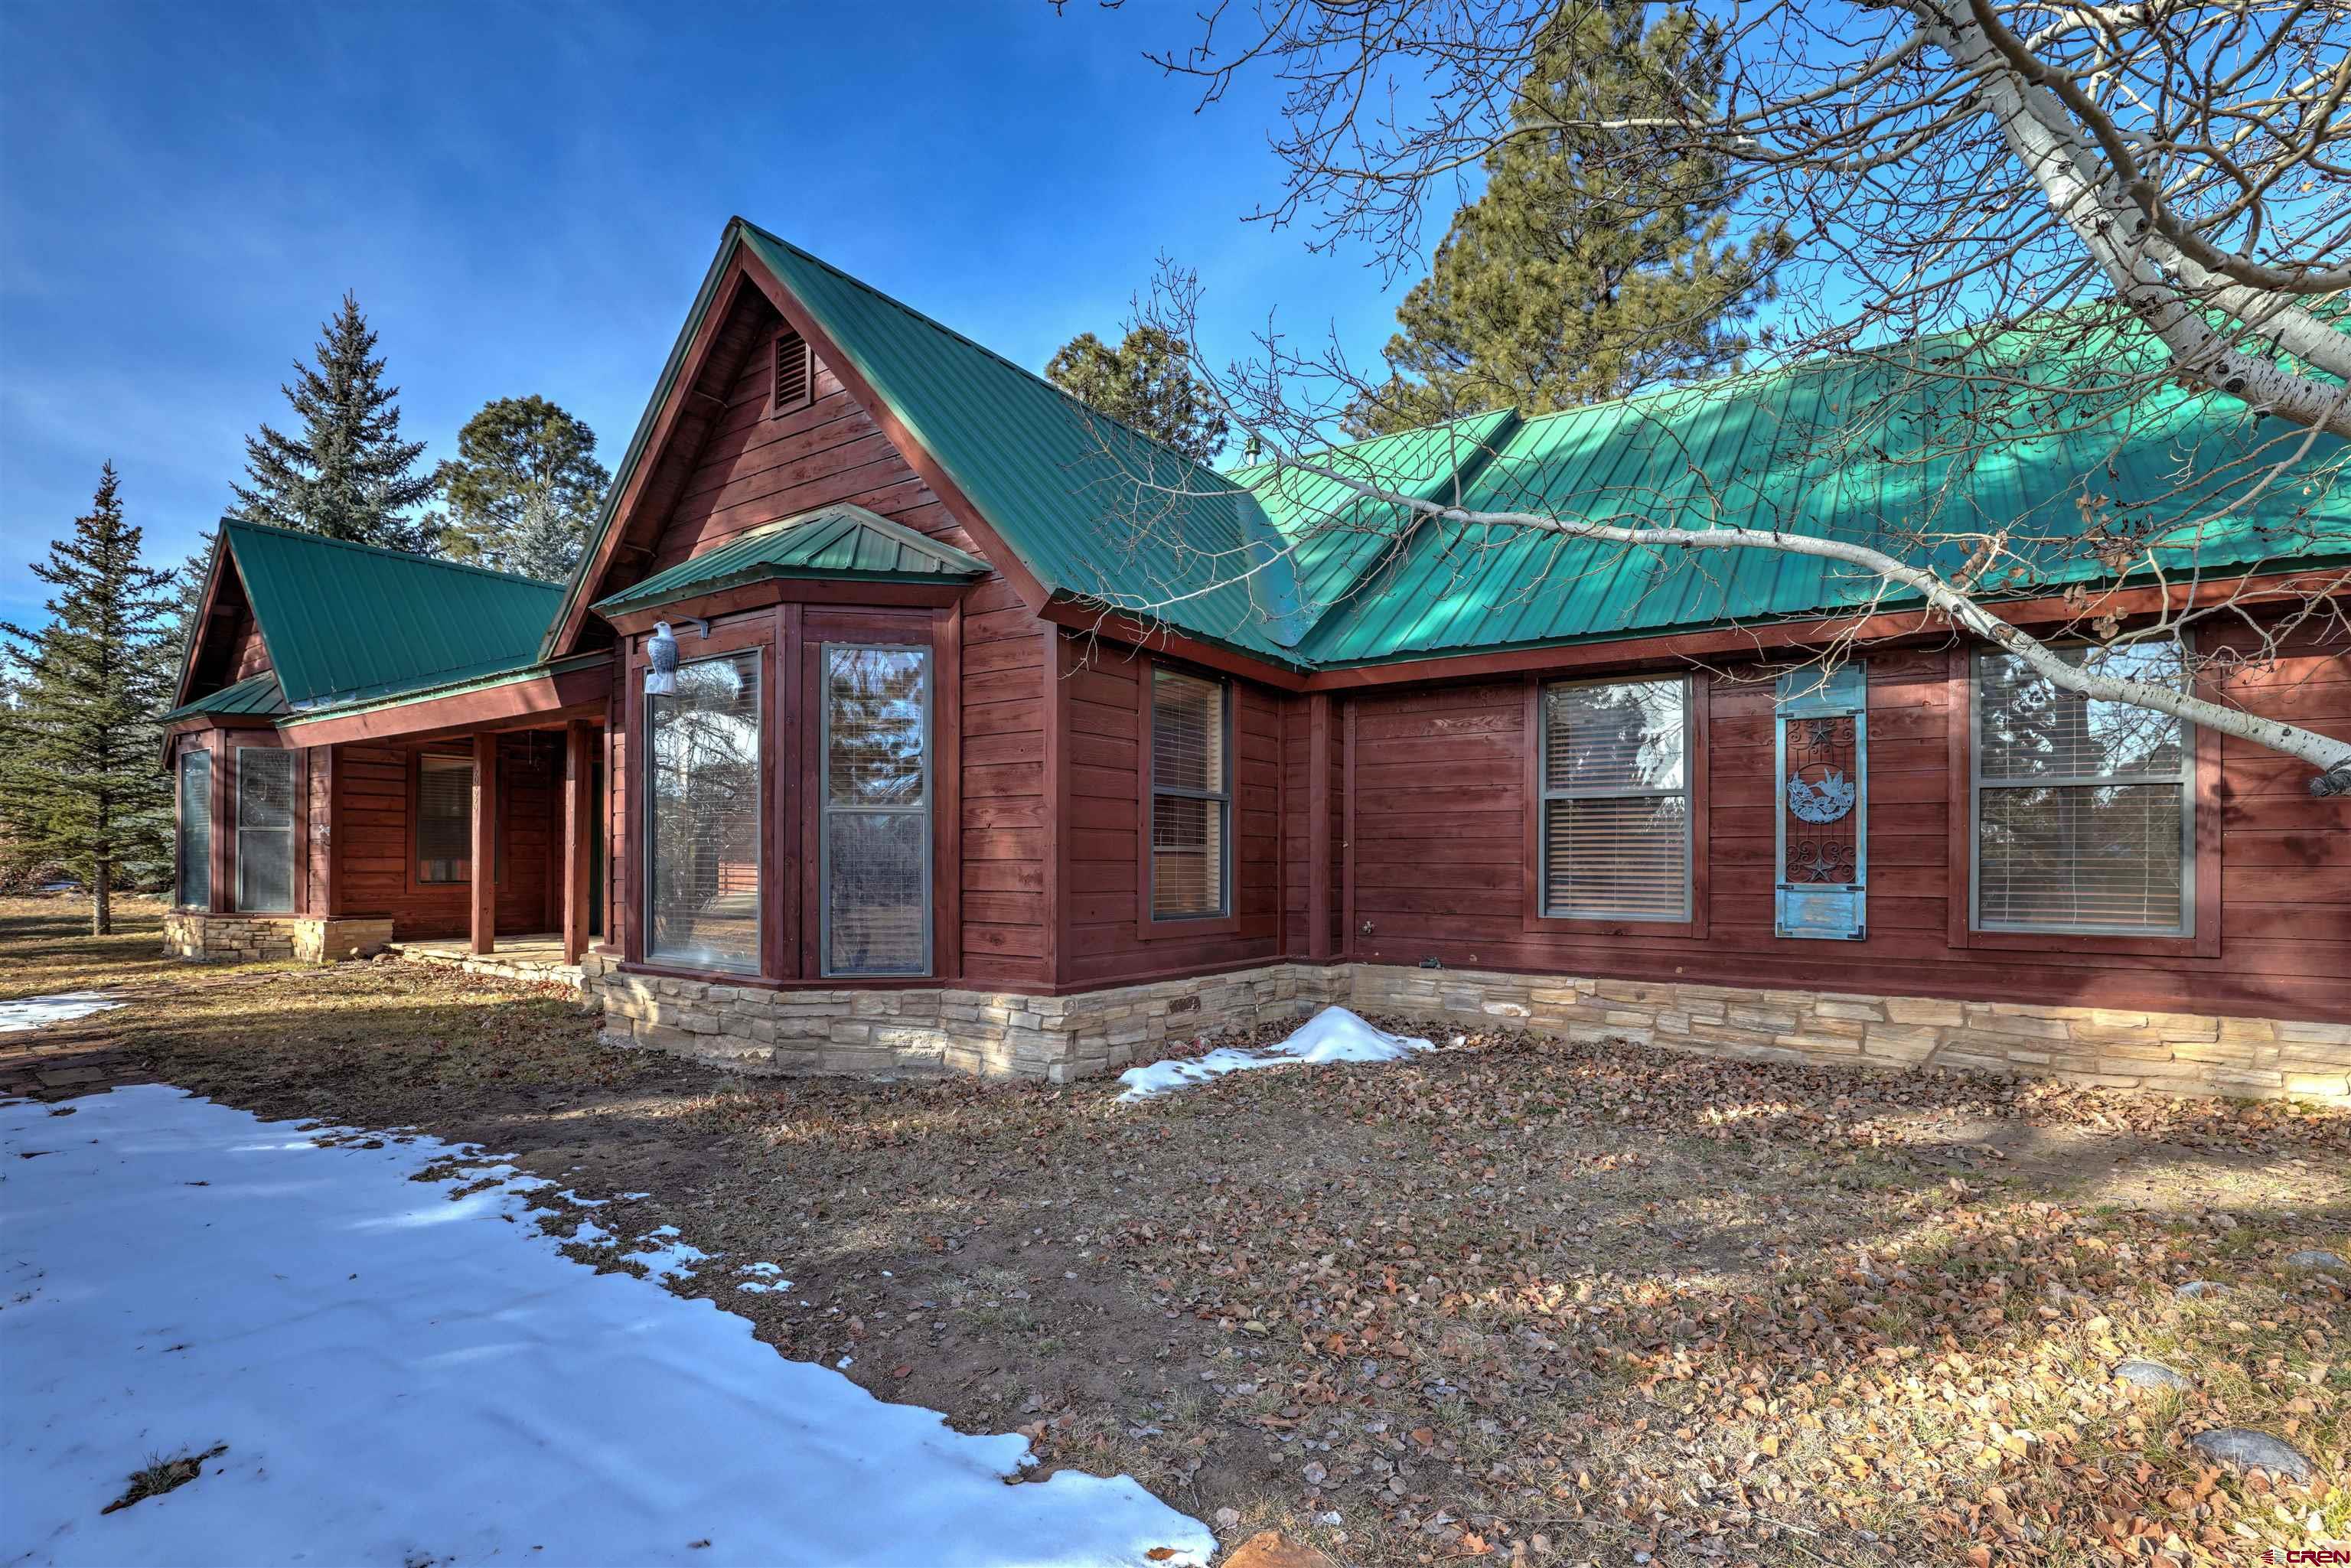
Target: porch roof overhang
(254, 699)
(835, 544)
(525, 696)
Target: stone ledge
(206, 938)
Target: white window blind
(1191, 796)
(705, 807)
(1616, 800)
(265, 829)
(2083, 810)
(444, 818)
(877, 813)
(195, 890)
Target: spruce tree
(347, 475)
(523, 489)
(81, 781)
(1145, 383)
(1590, 267)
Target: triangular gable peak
(759, 416)
(225, 644)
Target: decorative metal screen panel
(444, 818)
(1615, 806)
(1191, 796)
(1820, 758)
(265, 829)
(2083, 813)
(195, 829)
(704, 805)
(877, 812)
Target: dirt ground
(1516, 1298)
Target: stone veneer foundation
(263, 938)
(1061, 1038)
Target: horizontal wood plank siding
(374, 839)
(1101, 822)
(1441, 873)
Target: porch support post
(1319, 912)
(486, 844)
(579, 835)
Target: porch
(536, 955)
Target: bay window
(2083, 811)
(265, 829)
(1616, 832)
(195, 834)
(704, 816)
(874, 831)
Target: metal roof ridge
(304, 536)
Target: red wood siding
(1007, 835)
(1102, 940)
(1440, 867)
(374, 839)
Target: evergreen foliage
(347, 475)
(1145, 383)
(523, 489)
(82, 785)
(1591, 266)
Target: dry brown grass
(1586, 1298)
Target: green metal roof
(839, 542)
(1095, 510)
(253, 697)
(348, 622)
(1863, 449)
(1336, 535)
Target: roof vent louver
(793, 376)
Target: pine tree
(347, 475)
(1145, 383)
(81, 779)
(523, 489)
(1589, 267)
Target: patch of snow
(1335, 1034)
(298, 1308)
(35, 1012)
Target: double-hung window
(196, 889)
(876, 828)
(2084, 810)
(1191, 796)
(444, 818)
(1616, 800)
(704, 815)
(265, 829)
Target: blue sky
(524, 197)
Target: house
(1002, 739)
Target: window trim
(413, 846)
(1226, 920)
(823, 810)
(1697, 748)
(763, 962)
(2201, 828)
(296, 787)
(179, 826)
(2183, 777)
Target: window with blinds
(876, 826)
(1191, 796)
(445, 819)
(2084, 810)
(195, 835)
(265, 829)
(1615, 801)
(704, 813)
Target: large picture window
(195, 848)
(1191, 796)
(265, 829)
(703, 814)
(1616, 800)
(876, 831)
(2084, 810)
(445, 819)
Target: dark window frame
(822, 809)
(296, 815)
(1226, 919)
(202, 756)
(413, 843)
(760, 649)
